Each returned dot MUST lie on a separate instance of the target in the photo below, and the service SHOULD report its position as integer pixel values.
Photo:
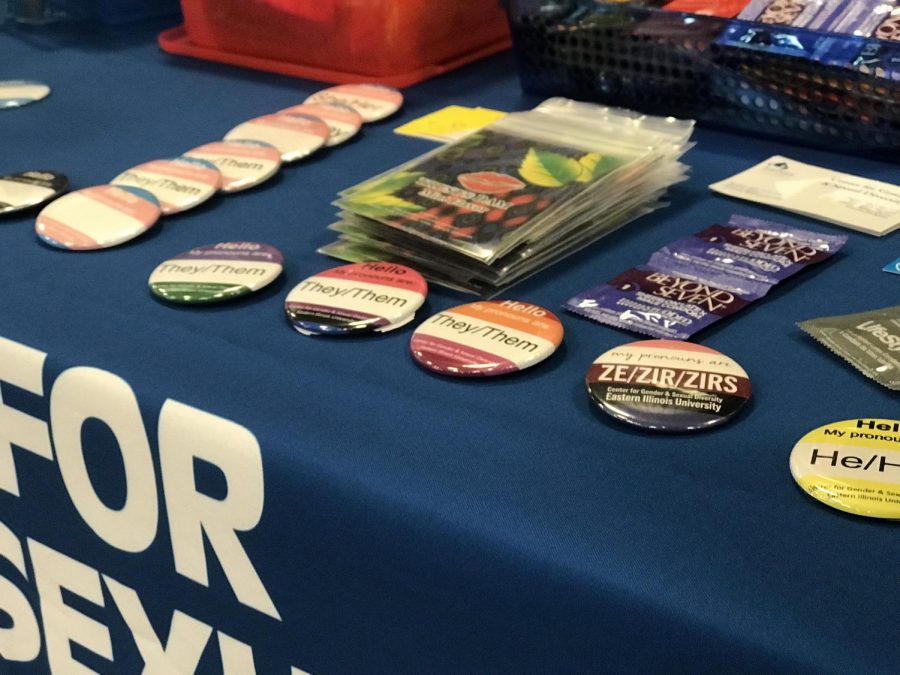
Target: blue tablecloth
(392, 520)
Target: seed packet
(470, 275)
(482, 194)
(749, 248)
(869, 341)
(519, 177)
(631, 201)
(488, 210)
(663, 304)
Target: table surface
(416, 523)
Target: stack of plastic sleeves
(483, 213)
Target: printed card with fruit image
(482, 195)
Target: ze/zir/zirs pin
(668, 385)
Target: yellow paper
(450, 124)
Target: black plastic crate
(672, 63)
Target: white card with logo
(869, 206)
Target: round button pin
(18, 93)
(97, 217)
(668, 385)
(28, 189)
(852, 466)
(215, 273)
(372, 101)
(178, 184)
(243, 164)
(295, 135)
(342, 120)
(486, 338)
(356, 299)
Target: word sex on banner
(59, 613)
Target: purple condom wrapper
(696, 281)
(748, 248)
(662, 304)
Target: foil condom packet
(665, 304)
(868, 341)
(748, 248)
(696, 281)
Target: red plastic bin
(393, 42)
